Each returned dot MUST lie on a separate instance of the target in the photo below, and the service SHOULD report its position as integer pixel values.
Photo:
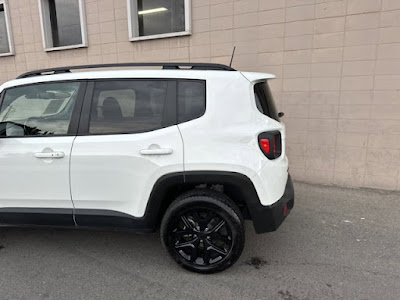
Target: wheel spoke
(216, 249)
(189, 244)
(193, 254)
(196, 217)
(202, 236)
(182, 232)
(218, 226)
(206, 257)
(186, 222)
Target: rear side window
(191, 99)
(38, 110)
(264, 100)
(127, 106)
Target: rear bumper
(269, 218)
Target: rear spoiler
(253, 76)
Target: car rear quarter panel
(226, 138)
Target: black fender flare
(244, 189)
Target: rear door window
(191, 99)
(128, 106)
(265, 101)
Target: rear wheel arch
(238, 187)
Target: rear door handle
(161, 151)
(57, 154)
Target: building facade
(337, 64)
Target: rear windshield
(264, 100)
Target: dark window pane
(191, 100)
(128, 106)
(264, 100)
(4, 46)
(161, 16)
(65, 22)
(40, 109)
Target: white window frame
(133, 23)
(8, 27)
(46, 27)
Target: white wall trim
(159, 36)
(82, 17)
(65, 47)
(188, 16)
(9, 30)
(133, 23)
(44, 15)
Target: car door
(127, 140)
(38, 124)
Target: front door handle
(160, 151)
(57, 154)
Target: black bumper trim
(269, 218)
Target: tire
(203, 231)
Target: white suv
(192, 149)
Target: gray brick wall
(337, 64)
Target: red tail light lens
(271, 144)
(264, 144)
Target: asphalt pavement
(337, 243)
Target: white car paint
(109, 172)
(114, 172)
(29, 178)
(226, 137)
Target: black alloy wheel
(203, 231)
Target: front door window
(39, 109)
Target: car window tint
(191, 100)
(39, 109)
(264, 100)
(127, 106)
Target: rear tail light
(270, 144)
(264, 144)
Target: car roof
(139, 73)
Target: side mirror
(281, 114)
(13, 129)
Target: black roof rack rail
(165, 66)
